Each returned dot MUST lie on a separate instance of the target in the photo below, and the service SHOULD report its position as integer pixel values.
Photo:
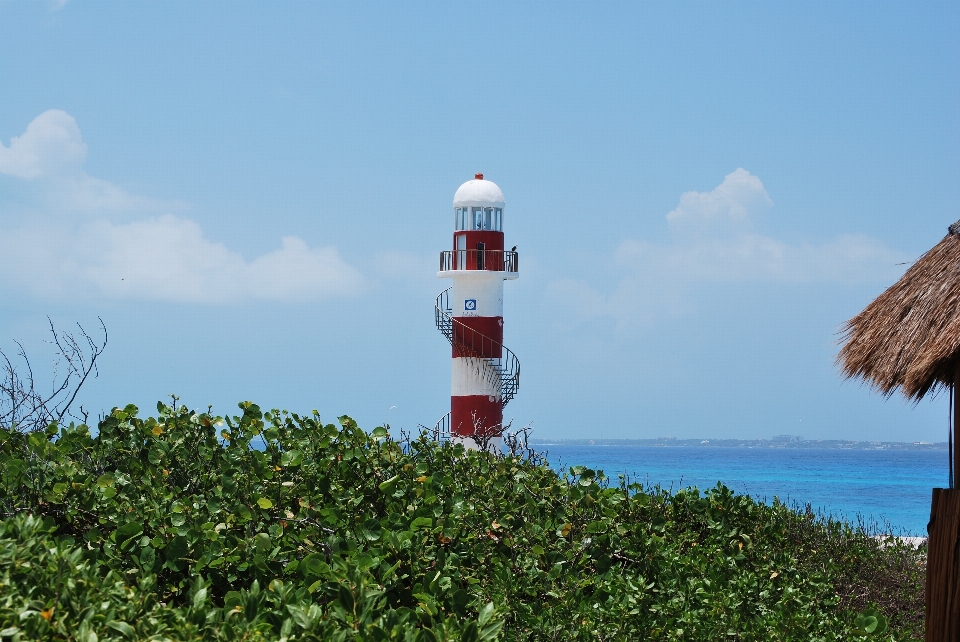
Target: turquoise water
(889, 487)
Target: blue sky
(253, 198)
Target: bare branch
(23, 407)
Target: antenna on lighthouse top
(479, 177)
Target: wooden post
(953, 424)
(943, 548)
(943, 567)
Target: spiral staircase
(503, 372)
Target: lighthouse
(485, 374)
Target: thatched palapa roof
(909, 337)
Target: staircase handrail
(504, 370)
(441, 432)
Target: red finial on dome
(479, 177)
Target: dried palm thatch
(908, 338)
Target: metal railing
(502, 368)
(491, 260)
(441, 432)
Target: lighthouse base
(494, 444)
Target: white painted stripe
(452, 274)
(477, 297)
(494, 445)
(473, 376)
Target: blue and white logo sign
(469, 304)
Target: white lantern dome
(478, 193)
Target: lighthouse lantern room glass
(478, 218)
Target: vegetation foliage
(269, 526)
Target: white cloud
(634, 300)
(167, 259)
(753, 257)
(52, 145)
(70, 245)
(735, 203)
(50, 154)
(713, 243)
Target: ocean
(890, 488)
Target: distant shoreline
(811, 444)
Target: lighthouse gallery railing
(490, 260)
(503, 372)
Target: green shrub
(170, 525)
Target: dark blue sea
(888, 488)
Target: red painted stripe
(476, 413)
(471, 258)
(492, 240)
(478, 337)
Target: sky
(253, 197)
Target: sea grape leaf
(485, 614)
(312, 565)
(346, 599)
(122, 627)
(471, 633)
(427, 635)
(262, 541)
(372, 529)
(177, 548)
(556, 570)
(127, 532)
(148, 557)
(232, 600)
(491, 630)
(389, 486)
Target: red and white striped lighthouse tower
(470, 314)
